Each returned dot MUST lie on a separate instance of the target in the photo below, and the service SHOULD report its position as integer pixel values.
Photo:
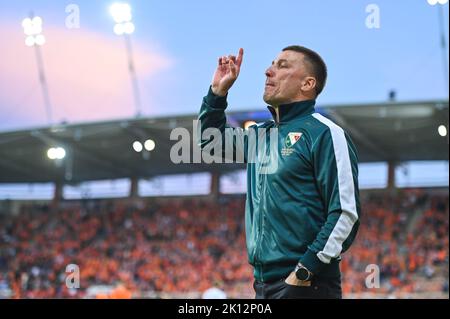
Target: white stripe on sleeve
(347, 198)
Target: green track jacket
(306, 209)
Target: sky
(177, 43)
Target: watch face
(302, 274)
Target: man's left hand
(293, 281)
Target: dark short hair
(317, 65)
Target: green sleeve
(335, 162)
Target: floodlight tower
(121, 13)
(442, 29)
(32, 28)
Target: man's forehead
(290, 56)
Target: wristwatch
(302, 273)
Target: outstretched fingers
(233, 68)
(231, 63)
(240, 57)
(237, 60)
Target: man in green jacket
(303, 212)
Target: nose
(269, 72)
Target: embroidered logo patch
(290, 141)
(292, 138)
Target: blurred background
(91, 91)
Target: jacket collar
(291, 111)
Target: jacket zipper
(261, 221)
(260, 232)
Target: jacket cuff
(216, 101)
(312, 262)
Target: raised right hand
(227, 72)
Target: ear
(309, 84)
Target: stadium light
(442, 130)
(124, 28)
(149, 145)
(247, 124)
(435, 2)
(137, 146)
(51, 153)
(122, 16)
(32, 27)
(56, 153)
(121, 13)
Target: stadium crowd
(403, 237)
(186, 245)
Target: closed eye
(282, 64)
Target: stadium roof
(382, 132)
